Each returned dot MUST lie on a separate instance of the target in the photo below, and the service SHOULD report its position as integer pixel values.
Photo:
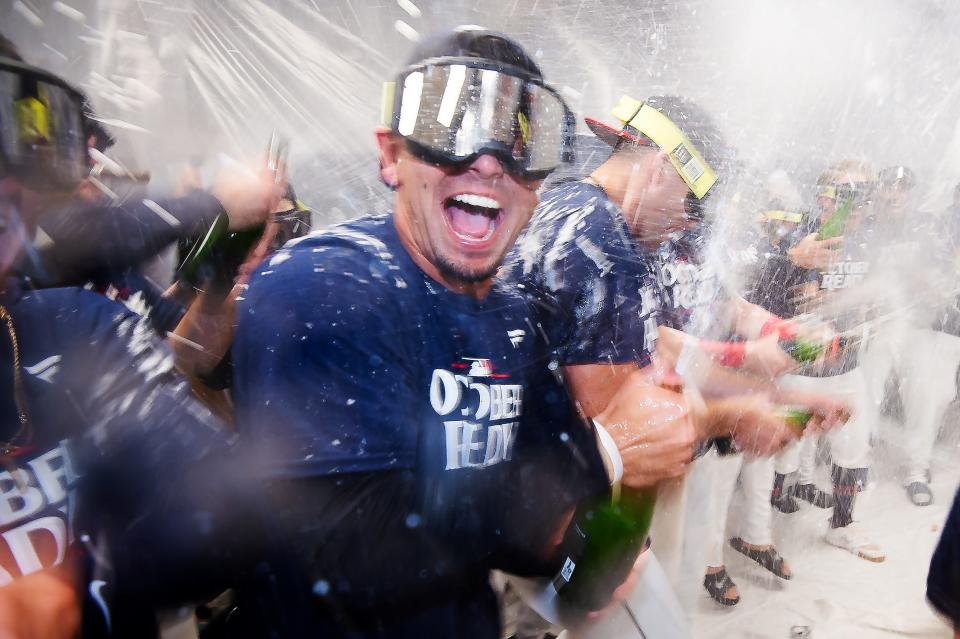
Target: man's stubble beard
(456, 273)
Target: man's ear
(388, 148)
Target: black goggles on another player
(452, 110)
(42, 133)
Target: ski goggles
(777, 215)
(859, 192)
(452, 110)
(42, 128)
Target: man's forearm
(77, 241)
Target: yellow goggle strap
(784, 216)
(386, 103)
(688, 162)
(828, 190)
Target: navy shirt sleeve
(578, 254)
(85, 240)
(321, 372)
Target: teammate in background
(596, 252)
(720, 474)
(914, 338)
(201, 341)
(79, 238)
(104, 449)
(832, 290)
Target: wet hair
(8, 49)
(846, 171)
(474, 42)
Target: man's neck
(612, 180)
(476, 290)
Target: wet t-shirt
(597, 285)
(688, 284)
(97, 389)
(772, 279)
(353, 366)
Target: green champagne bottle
(805, 351)
(836, 223)
(601, 546)
(214, 260)
(212, 263)
(796, 418)
(802, 350)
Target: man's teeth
(477, 200)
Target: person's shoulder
(349, 269)
(70, 303)
(577, 200)
(73, 315)
(362, 253)
(578, 217)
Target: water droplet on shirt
(321, 588)
(413, 520)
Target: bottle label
(563, 577)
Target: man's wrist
(612, 461)
(730, 354)
(783, 329)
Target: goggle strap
(689, 163)
(387, 95)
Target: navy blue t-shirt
(351, 362)
(943, 579)
(578, 256)
(102, 399)
(688, 285)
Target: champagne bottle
(836, 223)
(805, 351)
(796, 418)
(214, 260)
(802, 350)
(601, 546)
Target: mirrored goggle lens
(41, 130)
(457, 111)
(859, 192)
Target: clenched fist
(653, 430)
(248, 197)
(757, 425)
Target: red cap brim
(609, 134)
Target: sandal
(769, 558)
(717, 584)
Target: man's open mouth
(473, 218)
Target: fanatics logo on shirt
(516, 337)
(486, 433)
